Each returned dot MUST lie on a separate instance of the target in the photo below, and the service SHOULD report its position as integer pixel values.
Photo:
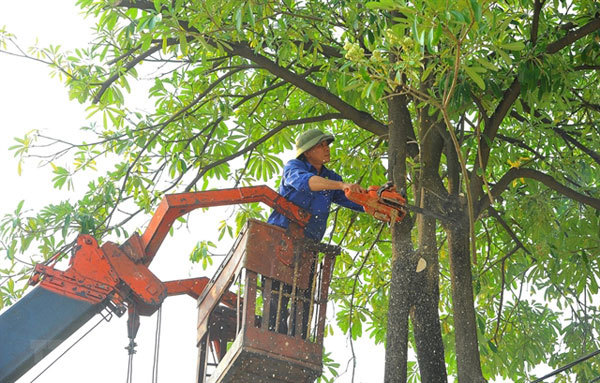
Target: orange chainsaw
(387, 205)
(383, 203)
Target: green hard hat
(309, 139)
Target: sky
(31, 99)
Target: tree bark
(396, 352)
(425, 316)
(465, 325)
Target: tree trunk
(465, 326)
(425, 317)
(396, 352)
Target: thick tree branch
(550, 182)
(537, 9)
(493, 123)
(360, 118)
(573, 36)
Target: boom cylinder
(35, 325)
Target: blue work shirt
(294, 187)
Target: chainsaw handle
(386, 205)
(354, 188)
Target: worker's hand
(356, 188)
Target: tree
(484, 113)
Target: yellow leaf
(515, 164)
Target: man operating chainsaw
(309, 184)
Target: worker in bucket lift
(309, 184)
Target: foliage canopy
(510, 88)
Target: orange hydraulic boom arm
(175, 205)
(119, 274)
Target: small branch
(161, 126)
(124, 55)
(503, 274)
(568, 138)
(561, 132)
(243, 171)
(49, 63)
(494, 213)
(336, 212)
(520, 144)
(480, 107)
(517, 302)
(587, 67)
(550, 182)
(108, 82)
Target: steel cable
(568, 366)
(157, 345)
(70, 347)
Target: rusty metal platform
(275, 334)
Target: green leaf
(66, 225)
(183, 43)
(61, 176)
(504, 56)
(458, 16)
(19, 207)
(238, 18)
(388, 5)
(486, 64)
(513, 46)
(476, 7)
(475, 77)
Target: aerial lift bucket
(275, 334)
